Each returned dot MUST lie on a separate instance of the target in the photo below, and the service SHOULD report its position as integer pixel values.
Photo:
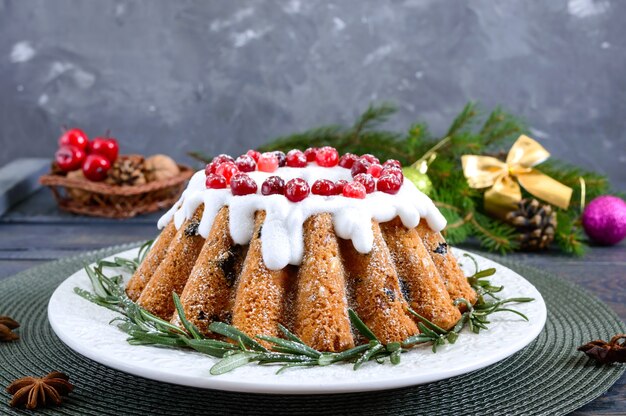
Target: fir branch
(463, 120)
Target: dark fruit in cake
(74, 137)
(214, 181)
(268, 162)
(96, 167)
(245, 163)
(367, 181)
(296, 159)
(242, 184)
(274, 185)
(104, 146)
(296, 189)
(389, 184)
(354, 190)
(327, 156)
(323, 187)
(69, 158)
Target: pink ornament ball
(604, 220)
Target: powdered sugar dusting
(281, 236)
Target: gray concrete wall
(223, 76)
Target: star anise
(613, 351)
(39, 392)
(7, 325)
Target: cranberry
(96, 167)
(327, 156)
(74, 137)
(214, 181)
(310, 154)
(296, 159)
(210, 168)
(70, 158)
(375, 170)
(223, 158)
(227, 170)
(389, 184)
(254, 154)
(367, 181)
(323, 187)
(104, 146)
(245, 163)
(354, 190)
(392, 170)
(242, 184)
(268, 162)
(339, 186)
(296, 190)
(392, 162)
(281, 158)
(348, 160)
(274, 185)
(370, 158)
(359, 166)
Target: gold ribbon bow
(505, 192)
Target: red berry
(227, 170)
(74, 137)
(389, 184)
(359, 166)
(339, 186)
(327, 156)
(254, 154)
(354, 190)
(392, 170)
(370, 158)
(367, 181)
(96, 167)
(296, 159)
(210, 168)
(323, 187)
(281, 158)
(223, 158)
(214, 181)
(296, 190)
(274, 185)
(242, 184)
(245, 163)
(268, 162)
(392, 162)
(69, 158)
(375, 170)
(310, 154)
(104, 146)
(348, 160)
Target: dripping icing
(282, 241)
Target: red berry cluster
(367, 173)
(94, 157)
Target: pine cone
(536, 223)
(127, 171)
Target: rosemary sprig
(239, 349)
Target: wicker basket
(100, 199)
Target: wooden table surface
(35, 232)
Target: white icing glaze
(281, 239)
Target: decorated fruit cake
(297, 240)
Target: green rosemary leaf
(346, 355)
(512, 311)
(233, 333)
(368, 354)
(273, 357)
(191, 328)
(158, 322)
(393, 346)
(395, 357)
(143, 251)
(485, 273)
(293, 347)
(417, 339)
(290, 335)
(96, 283)
(292, 365)
(205, 346)
(425, 321)
(231, 362)
(155, 339)
(360, 326)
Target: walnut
(159, 167)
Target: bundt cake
(298, 239)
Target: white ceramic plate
(85, 328)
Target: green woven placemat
(547, 377)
